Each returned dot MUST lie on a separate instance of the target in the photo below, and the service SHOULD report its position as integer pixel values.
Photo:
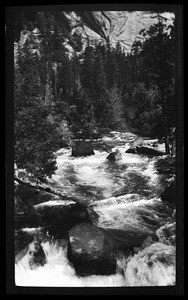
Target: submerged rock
(145, 151)
(82, 148)
(114, 156)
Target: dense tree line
(59, 96)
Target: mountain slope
(122, 26)
(101, 26)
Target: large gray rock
(82, 148)
(59, 219)
(90, 251)
(93, 250)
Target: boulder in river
(90, 251)
(82, 148)
(37, 255)
(145, 151)
(93, 250)
(114, 156)
(59, 218)
(131, 150)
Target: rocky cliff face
(103, 26)
(122, 26)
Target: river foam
(152, 266)
(58, 272)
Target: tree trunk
(48, 190)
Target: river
(125, 194)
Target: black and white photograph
(97, 152)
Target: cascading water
(125, 196)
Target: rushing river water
(125, 194)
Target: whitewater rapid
(153, 266)
(125, 196)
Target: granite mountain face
(93, 27)
(112, 26)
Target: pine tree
(100, 85)
(158, 62)
(116, 110)
(109, 66)
(82, 118)
(26, 69)
(87, 76)
(118, 71)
